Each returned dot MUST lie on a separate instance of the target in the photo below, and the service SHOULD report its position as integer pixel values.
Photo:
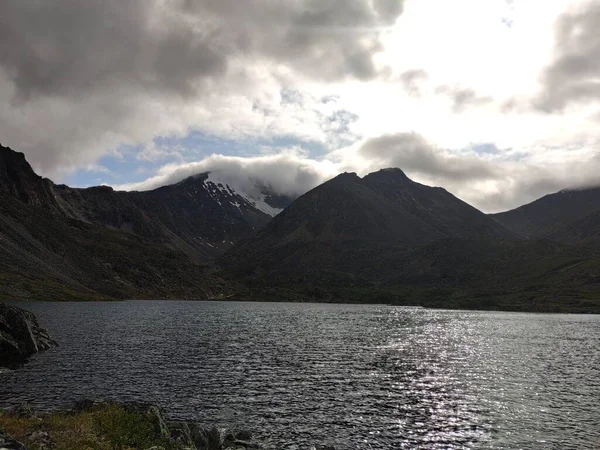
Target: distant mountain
(351, 236)
(561, 216)
(435, 206)
(381, 238)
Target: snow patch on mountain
(219, 189)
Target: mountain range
(67, 243)
(380, 238)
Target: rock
(208, 439)
(41, 440)
(20, 334)
(7, 443)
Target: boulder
(20, 334)
(40, 440)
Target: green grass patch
(108, 426)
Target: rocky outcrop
(20, 334)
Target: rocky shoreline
(112, 425)
(21, 335)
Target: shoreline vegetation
(109, 425)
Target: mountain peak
(347, 176)
(18, 179)
(390, 173)
(13, 162)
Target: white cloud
(289, 172)
(488, 180)
(334, 72)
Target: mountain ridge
(200, 215)
(569, 216)
(422, 247)
(381, 238)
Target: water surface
(359, 377)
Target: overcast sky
(498, 101)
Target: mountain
(381, 238)
(356, 234)
(66, 243)
(435, 206)
(201, 216)
(561, 216)
(581, 231)
(385, 238)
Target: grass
(107, 426)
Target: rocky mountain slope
(200, 216)
(566, 216)
(62, 243)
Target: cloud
(411, 81)
(80, 79)
(574, 74)
(289, 172)
(462, 98)
(482, 175)
(491, 181)
(411, 152)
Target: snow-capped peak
(220, 190)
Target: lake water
(358, 377)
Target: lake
(356, 376)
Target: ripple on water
(358, 376)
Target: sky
(496, 101)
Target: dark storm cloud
(79, 78)
(68, 46)
(574, 75)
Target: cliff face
(20, 334)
